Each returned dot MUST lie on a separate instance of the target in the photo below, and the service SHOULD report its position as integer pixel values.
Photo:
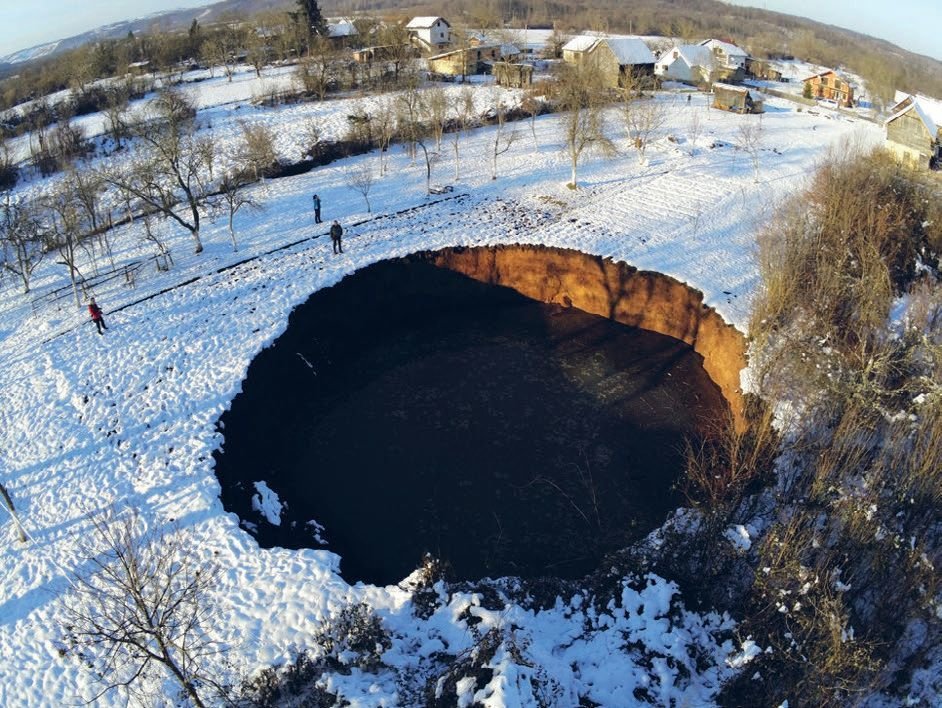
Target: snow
(89, 422)
(630, 50)
(267, 503)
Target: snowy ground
(128, 419)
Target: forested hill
(884, 66)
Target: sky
(26, 23)
(910, 24)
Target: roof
(729, 49)
(826, 72)
(582, 43)
(424, 22)
(754, 95)
(343, 28)
(629, 50)
(928, 109)
(692, 54)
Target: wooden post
(9, 502)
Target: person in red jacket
(97, 317)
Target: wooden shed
(512, 75)
(914, 132)
(736, 99)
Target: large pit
(511, 410)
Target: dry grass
(847, 566)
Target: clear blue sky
(912, 24)
(915, 25)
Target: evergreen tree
(314, 20)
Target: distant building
(619, 60)
(831, 86)
(914, 132)
(736, 99)
(341, 31)
(465, 62)
(512, 75)
(430, 33)
(726, 54)
(687, 63)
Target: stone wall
(618, 291)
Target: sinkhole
(508, 410)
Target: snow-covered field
(128, 420)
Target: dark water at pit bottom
(411, 409)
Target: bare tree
(360, 179)
(115, 113)
(413, 127)
(384, 129)
(143, 610)
(19, 232)
(171, 177)
(315, 71)
(502, 139)
(9, 172)
(533, 107)
(695, 126)
(64, 232)
(257, 150)
(436, 102)
(643, 118)
(749, 140)
(463, 111)
(233, 197)
(581, 98)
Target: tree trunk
(16, 520)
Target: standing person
(317, 209)
(336, 231)
(97, 316)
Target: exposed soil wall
(618, 291)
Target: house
(464, 62)
(687, 63)
(577, 48)
(512, 75)
(914, 132)
(384, 52)
(341, 31)
(726, 54)
(430, 33)
(831, 86)
(765, 69)
(736, 99)
(619, 60)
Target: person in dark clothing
(336, 231)
(97, 316)
(317, 209)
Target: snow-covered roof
(928, 109)
(729, 49)
(424, 22)
(630, 50)
(754, 95)
(507, 49)
(344, 28)
(692, 54)
(581, 43)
